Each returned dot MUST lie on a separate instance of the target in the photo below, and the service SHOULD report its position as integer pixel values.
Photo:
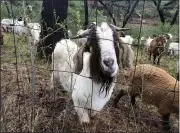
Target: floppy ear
(78, 59)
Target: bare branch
(110, 14)
(175, 16)
(169, 3)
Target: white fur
(173, 49)
(130, 57)
(170, 36)
(147, 44)
(127, 39)
(83, 93)
(62, 58)
(143, 41)
(34, 30)
(106, 43)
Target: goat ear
(78, 59)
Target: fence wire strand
(32, 76)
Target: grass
(39, 109)
(149, 30)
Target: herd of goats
(87, 65)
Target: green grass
(151, 30)
(166, 63)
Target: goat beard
(106, 87)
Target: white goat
(147, 44)
(6, 24)
(173, 49)
(127, 55)
(20, 28)
(127, 39)
(34, 29)
(99, 60)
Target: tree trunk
(8, 10)
(175, 17)
(86, 14)
(53, 9)
(160, 10)
(161, 15)
(129, 14)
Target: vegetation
(30, 106)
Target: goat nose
(108, 62)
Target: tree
(53, 14)
(163, 6)
(130, 11)
(175, 16)
(8, 9)
(120, 7)
(109, 12)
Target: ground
(30, 105)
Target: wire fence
(29, 104)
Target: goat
(127, 55)
(99, 59)
(82, 41)
(33, 30)
(147, 42)
(157, 46)
(168, 36)
(127, 39)
(173, 49)
(7, 23)
(156, 87)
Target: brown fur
(156, 86)
(157, 46)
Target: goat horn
(118, 28)
(83, 34)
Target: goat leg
(133, 100)
(117, 98)
(165, 122)
(154, 59)
(158, 63)
(150, 56)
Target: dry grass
(42, 109)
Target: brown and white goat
(97, 63)
(157, 47)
